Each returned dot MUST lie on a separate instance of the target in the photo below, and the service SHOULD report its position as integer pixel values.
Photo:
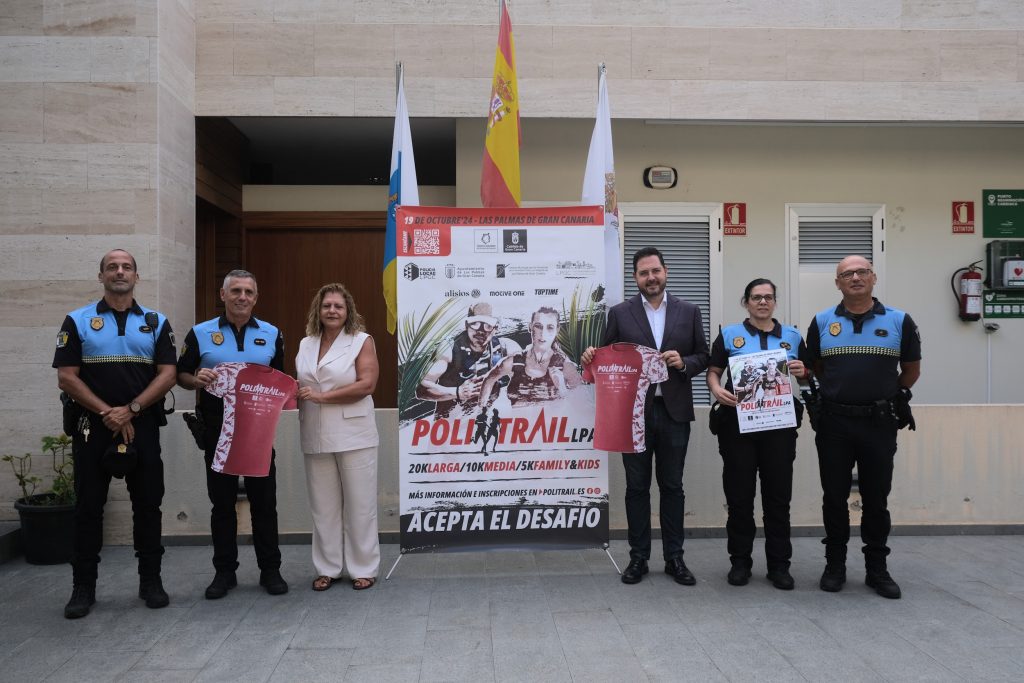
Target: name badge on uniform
(259, 341)
(834, 329)
(217, 338)
(881, 333)
(96, 324)
(145, 328)
(739, 342)
(785, 345)
(62, 339)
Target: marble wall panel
(637, 99)
(747, 13)
(940, 102)
(1000, 101)
(669, 53)
(320, 11)
(36, 381)
(119, 60)
(99, 112)
(177, 296)
(21, 17)
(114, 166)
(274, 49)
(21, 428)
(360, 50)
(36, 59)
(448, 51)
(900, 55)
(90, 17)
(146, 17)
(20, 210)
(26, 303)
(236, 95)
(824, 55)
(939, 14)
(176, 138)
(215, 49)
(52, 260)
(555, 97)
(21, 115)
(1001, 14)
(710, 100)
(421, 96)
(177, 52)
(314, 96)
(973, 56)
(462, 96)
(43, 166)
(740, 54)
(235, 11)
(535, 52)
(577, 54)
(397, 12)
(99, 212)
(863, 13)
(862, 101)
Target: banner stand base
(604, 546)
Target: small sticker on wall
(735, 214)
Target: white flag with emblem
(599, 189)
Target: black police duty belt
(882, 406)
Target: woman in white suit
(337, 371)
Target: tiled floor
(525, 616)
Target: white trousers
(343, 500)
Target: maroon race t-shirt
(254, 396)
(621, 374)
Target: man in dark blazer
(656, 319)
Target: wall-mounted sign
(963, 218)
(735, 218)
(1003, 304)
(1002, 213)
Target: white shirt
(656, 317)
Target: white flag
(599, 189)
(403, 191)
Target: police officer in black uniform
(115, 359)
(768, 454)
(866, 356)
(236, 336)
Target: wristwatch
(135, 407)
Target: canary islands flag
(403, 190)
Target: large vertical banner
(496, 427)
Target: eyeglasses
(758, 298)
(860, 272)
(479, 325)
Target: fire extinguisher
(968, 293)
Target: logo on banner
(449, 270)
(414, 272)
(575, 270)
(513, 241)
(500, 270)
(485, 241)
(545, 292)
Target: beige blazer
(333, 427)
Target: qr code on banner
(426, 241)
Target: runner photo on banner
(496, 426)
(764, 394)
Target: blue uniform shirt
(744, 338)
(217, 341)
(859, 355)
(117, 351)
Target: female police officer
(769, 454)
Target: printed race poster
(496, 427)
(764, 395)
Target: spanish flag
(499, 176)
(403, 190)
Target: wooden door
(292, 254)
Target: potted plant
(47, 517)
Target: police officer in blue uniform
(768, 454)
(236, 336)
(115, 359)
(866, 356)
